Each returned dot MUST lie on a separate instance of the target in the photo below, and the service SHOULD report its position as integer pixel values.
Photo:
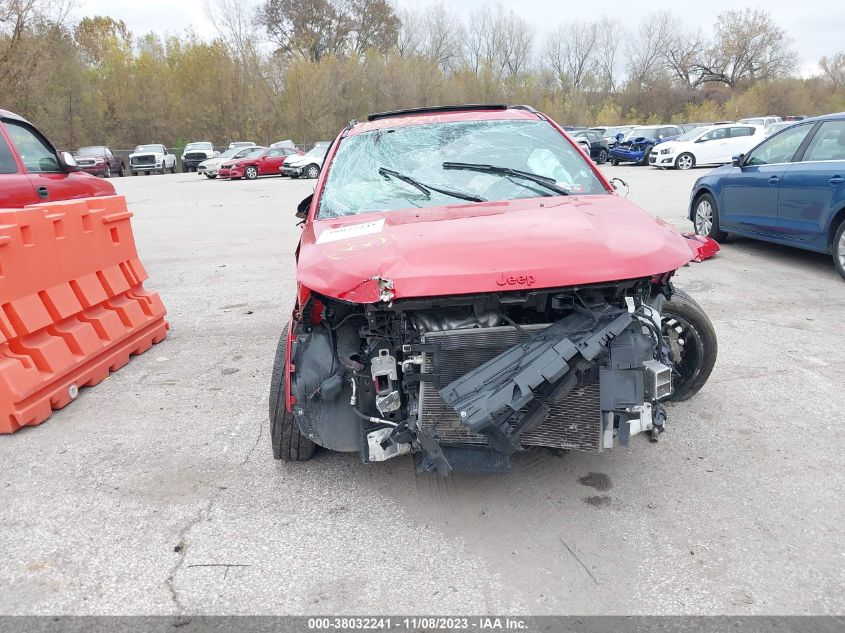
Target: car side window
(36, 153)
(828, 143)
(741, 131)
(7, 160)
(715, 135)
(275, 152)
(779, 148)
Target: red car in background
(32, 171)
(261, 162)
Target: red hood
(487, 247)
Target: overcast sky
(816, 26)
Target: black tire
(614, 162)
(602, 157)
(706, 222)
(838, 249)
(173, 169)
(692, 344)
(251, 172)
(107, 173)
(644, 159)
(688, 161)
(287, 440)
(312, 171)
(122, 171)
(211, 176)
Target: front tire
(685, 161)
(646, 152)
(614, 162)
(211, 176)
(107, 173)
(692, 344)
(838, 249)
(251, 173)
(705, 218)
(287, 440)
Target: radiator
(573, 423)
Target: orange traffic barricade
(72, 304)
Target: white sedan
(706, 145)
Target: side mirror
(659, 137)
(68, 162)
(736, 161)
(302, 207)
(616, 183)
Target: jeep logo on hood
(515, 280)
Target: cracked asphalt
(156, 492)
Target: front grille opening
(574, 423)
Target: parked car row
(253, 161)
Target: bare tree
(485, 39)
(518, 44)
(747, 46)
(609, 35)
(684, 49)
(570, 51)
(646, 48)
(833, 69)
(444, 37)
(410, 38)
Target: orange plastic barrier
(72, 304)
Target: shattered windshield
(355, 185)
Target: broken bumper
(580, 384)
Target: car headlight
(668, 150)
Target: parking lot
(156, 492)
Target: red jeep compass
(32, 171)
(469, 286)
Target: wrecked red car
(469, 285)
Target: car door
(16, 189)
(271, 161)
(42, 165)
(740, 140)
(710, 146)
(750, 192)
(813, 184)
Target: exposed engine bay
(466, 381)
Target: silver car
(210, 167)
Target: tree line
(302, 69)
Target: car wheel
(646, 152)
(685, 161)
(173, 168)
(312, 171)
(614, 162)
(211, 176)
(250, 173)
(107, 173)
(146, 173)
(706, 218)
(602, 157)
(122, 171)
(692, 344)
(285, 436)
(839, 249)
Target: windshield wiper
(427, 188)
(548, 183)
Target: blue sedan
(789, 189)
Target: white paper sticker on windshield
(353, 230)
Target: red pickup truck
(32, 171)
